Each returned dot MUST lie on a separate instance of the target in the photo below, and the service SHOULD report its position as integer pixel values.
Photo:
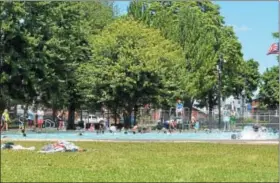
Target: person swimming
(256, 127)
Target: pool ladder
(49, 123)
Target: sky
(253, 22)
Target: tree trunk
(190, 106)
(54, 112)
(135, 114)
(25, 116)
(2, 105)
(81, 115)
(210, 107)
(115, 116)
(127, 118)
(71, 116)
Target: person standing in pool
(30, 118)
(232, 120)
(40, 118)
(60, 117)
(5, 120)
(226, 120)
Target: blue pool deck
(200, 136)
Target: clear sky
(253, 21)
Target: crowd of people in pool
(6, 120)
(165, 127)
(34, 120)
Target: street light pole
(220, 86)
(243, 104)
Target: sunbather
(61, 146)
(11, 145)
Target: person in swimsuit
(5, 120)
(30, 118)
(40, 116)
(232, 120)
(60, 120)
(226, 120)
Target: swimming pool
(74, 135)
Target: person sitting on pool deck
(166, 124)
(159, 126)
(172, 125)
(112, 129)
(179, 108)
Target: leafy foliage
(269, 89)
(199, 29)
(43, 43)
(132, 65)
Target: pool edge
(268, 142)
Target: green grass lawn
(145, 162)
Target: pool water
(74, 135)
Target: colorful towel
(60, 146)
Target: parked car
(91, 119)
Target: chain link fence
(149, 117)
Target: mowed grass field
(143, 162)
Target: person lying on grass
(61, 146)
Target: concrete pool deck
(260, 142)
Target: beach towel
(60, 146)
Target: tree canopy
(41, 45)
(201, 32)
(132, 65)
(70, 54)
(269, 87)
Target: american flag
(274, 49)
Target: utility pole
(219, 67)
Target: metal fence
(151, 117)
(147, 117)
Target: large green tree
(41, 45)
(18, 49)
(269, 88)
(132, 65)
(71, 23)
(199, 29)
(22, 63)
(252, 78)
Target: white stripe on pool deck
(268, 142)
